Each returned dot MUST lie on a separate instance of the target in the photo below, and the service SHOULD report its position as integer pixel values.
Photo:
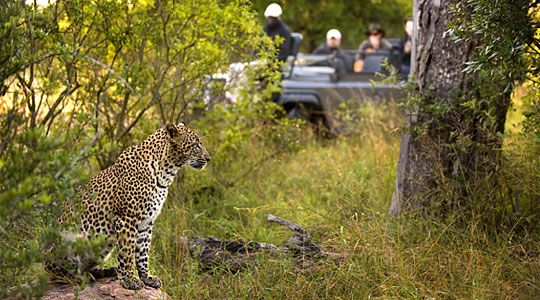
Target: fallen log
(300, 244)
(234, 255)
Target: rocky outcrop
(105, 288)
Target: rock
(105, 288)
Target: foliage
(37, 173)
(505, 30)
(38, 159)
(531, 125)
(314, 18)
(10, 32)
(508, 52)
(82, 80)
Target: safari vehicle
(313, 89)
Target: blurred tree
(314, 18)
(9, 35)
(150, 58)
(468, 56)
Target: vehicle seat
(394, 58)
(373, 62)
(296, 39)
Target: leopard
(123, 201)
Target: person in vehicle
(405, 46)
(275, 27)
(342, 61)
(374, 42)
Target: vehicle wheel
(313, 117)
(321, 128)
(299, 112)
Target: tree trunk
(444, 140)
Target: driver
(342, 61)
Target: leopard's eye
(195, 146)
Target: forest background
(83, 80)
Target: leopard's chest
(153, 206)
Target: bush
(84, 80)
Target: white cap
(273, 10)
(333, 33)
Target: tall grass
(340, 191)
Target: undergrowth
(340, 191)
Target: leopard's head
(186, 147)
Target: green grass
(339, 191)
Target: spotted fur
(123, 201)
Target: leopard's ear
(173, 132)
(182, 124)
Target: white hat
(273, 10)
(333, 33)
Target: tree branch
(292, 226)
(110, 70)
(5, 139)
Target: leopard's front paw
(132, 283)
(152, 281)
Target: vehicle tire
(298, 112)
(321, 127)
(313, 117)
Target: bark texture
(426, 160)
